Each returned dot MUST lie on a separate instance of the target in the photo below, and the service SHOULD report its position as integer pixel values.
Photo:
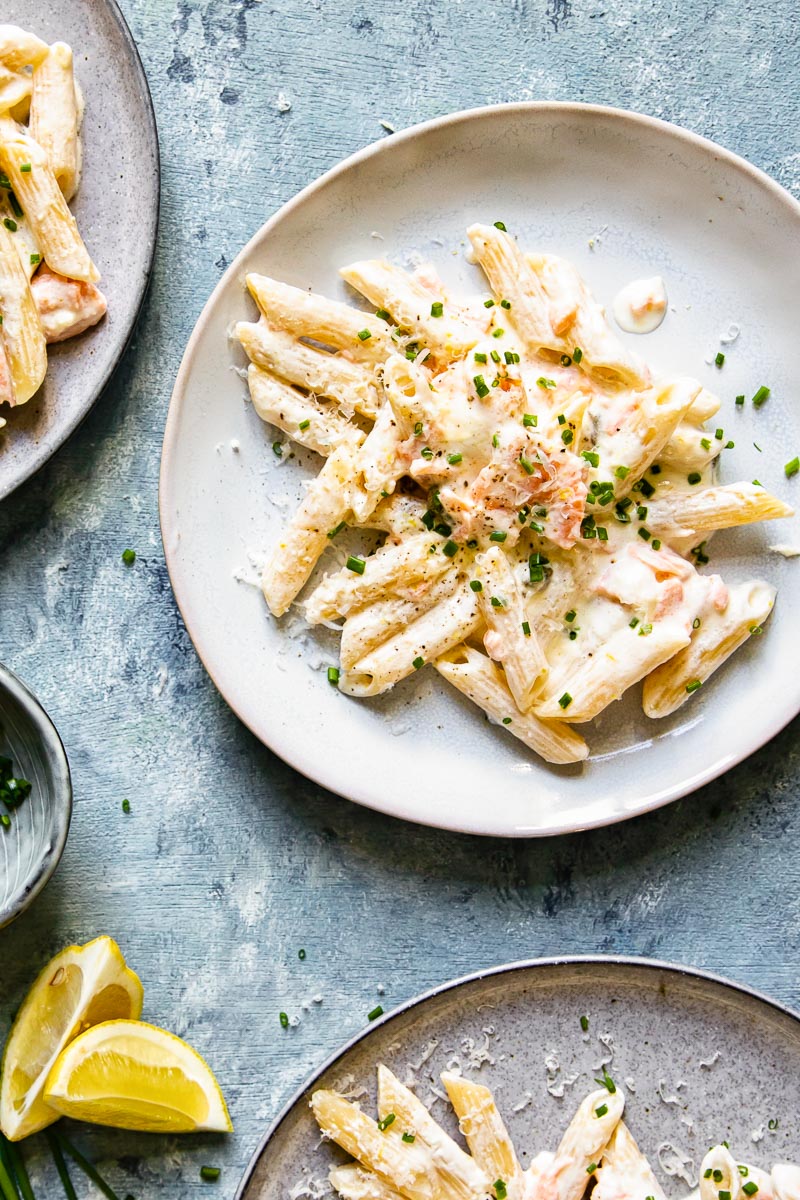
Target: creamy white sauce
(640, 306)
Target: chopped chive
(383, 314)
(480, 386)
(756, 630)
(544, 382)
(126, 806)
(717, 1176)
(792, 468)
(720, 359)
(449, 549)
(607, 1082)
(707, 1173)
(526, 465)
(16, 207)
(634, 621)
(505, 304)
(696, 623)
(301, 954)
(498, 602)
(210, 1174)
(602, 534)
(506, 720)
(376, 1012)
(694, 685)
(481, 358)
(129, 557)
(622, 472)
(719, 434)
(592, 1167)
(277, 449)
(729, 445)
(25, 168)
(694, 477)
(495, 357)
(645, 630)
(437, 309)
(646, 488)
(601, 1111)
(333, 676)
(577, 354)
(526, 628)
(488, 304)
(565, 700)
(412, 350)
(284, 1020)
(750, 1188)
(654, 469)
(418, 429)
(656, 543)
(567, 436)
(540, 511)
(530, 420)
(495, 440)
(761, 395)
(499, 1185)
(643, 533)
(772, 1124)
(454, 459)
(758, 448)
(304, 424)
(426, 452)
(10, 225)
(739, 401)
(355, 564)
(757, 483)
(724, 1194)
(498, 535)
(536, 526)
(386, 1121)
(501, 226)
(705, 443)
(409, 1137)
(364, 335)
(591, 457)
(476, 585)
(336, 529)
(566, 361)
(418, 663)
(641, 512)
(585, 1024)
(5, 821)
(35, 259)
(498, 333)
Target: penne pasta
(625, 1171)
(15, 89)
(354, 1183)
(320, 427)
(715, 508)
(485, 1133)
(510, 639)
(20, 49)
(25, 351)
(715, 639)
(477, 677)
(369, 627)
(54, 117)
(512, 277)
(326, 504)
(45, 208)
(350, 384)
(584, 1142)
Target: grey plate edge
(601, 960)
(24, 697)
(383, 146)
(154, 217)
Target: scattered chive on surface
(210, 1174)
(577, 354)
(585, 1024)
(761, 396)
(333, 676)
(601, 1111)
(336, 529)
(301, 954)
(450, 548)
(454, 459)
(376, 1012)
(126, 806)
(694, 477)
(739, 401)
(277, 449)
(500, 1189)
(501, 226)
(719, 359)
(481, 358)
(383, 314)
(792, 468)
(526, 628)
(505, 304)
(129, 557)
(498, 333)
(488, 304)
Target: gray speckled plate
(117, 211)
(701, 1060)
(31, 847)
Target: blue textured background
(229, 862)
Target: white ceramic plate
(622, 196)
(116, 207)
(709, 1061)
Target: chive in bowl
(33, 832)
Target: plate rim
(27, 700)
(186, 607)
(568, 960)
(37, 461)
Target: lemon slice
(80, 987)
(135, 1076)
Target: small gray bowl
(31, 847)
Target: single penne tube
(19, 49)
(54, 118)
(325, 505)
(625, 1171)
(691, 448)
(46, 211)
(632, 429)
(581, 323)
(714, 508)
(582, 687)
(510, 638)
(389, 571)
(407, 1167)
(380, 463)
(424, 640)
(21, 332)
(308, 315)
(320, 427)
(478, 678)
(15, 89)
(762, 1179)
(368, 627)
(408, 391)
(356, 1183)
(719, 1171)
(461, 1176)
(399, 515)
(512, 279)
(584, 1143)
(350, 384)
(704, 406)
(714, 640)
(411, 304)
(484, 1130)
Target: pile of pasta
(406, 1153)
(546, 499)
(47, 279)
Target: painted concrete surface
(229, 863)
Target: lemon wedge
(135, 1076)
(80, 987)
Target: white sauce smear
(640, 306)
